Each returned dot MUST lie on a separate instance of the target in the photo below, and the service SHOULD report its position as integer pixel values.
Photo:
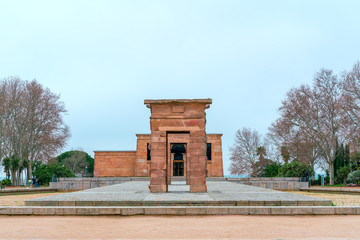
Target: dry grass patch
(337, 198)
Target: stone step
(178, 178)
(189, 210)
(137, 193)
(178, 203)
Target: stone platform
(136, 193)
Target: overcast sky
(106, 57)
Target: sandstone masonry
(177, 146)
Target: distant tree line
(318, 125)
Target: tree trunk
(344, 181)
(26, 175)
(313, 168)
(331, 172)
(29, 170)
(18, 177)
(13, 178)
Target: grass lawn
(336, 185)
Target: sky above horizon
(105, 57)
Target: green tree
(45, 171)
(12, 165)
(355, 161)
(77, 161)
(339, 158)
(285, 154)
(343, 173)
(272, 170)
(5, 182)
(342, 159)
(6, 165)
(347, 155)
(261, 152)
(295, 169)
(262, 162)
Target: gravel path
(19, 200)
(183, 227)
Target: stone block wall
(181, 116)
(107, 160)
(158, 166)
(198, 160)
(142, 164)
(86, 183)
(276, 183)
(114, 163)
(215, 165)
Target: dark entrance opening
(178, 163)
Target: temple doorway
(178, 153)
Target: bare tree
(350, 101)
(46, 130)
(31, 122)
(245, 151)
(316, 112)
(12, 123)
(272, 151)
(293, 142)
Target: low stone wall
(276, 183)
(87, 183)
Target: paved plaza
(136, 193)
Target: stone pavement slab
(220, 193)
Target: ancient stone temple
(178, 146)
